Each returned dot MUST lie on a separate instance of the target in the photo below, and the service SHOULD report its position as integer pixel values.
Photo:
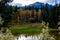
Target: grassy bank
(26, 28)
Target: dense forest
(8, 13)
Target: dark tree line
(51, 15)
(5, 12)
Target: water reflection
(23, 37)
(35, 37)
(44, 35)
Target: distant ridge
(35, 5)
(39, 5)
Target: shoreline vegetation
(26, 28)
(29, 28)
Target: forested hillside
(14, 14)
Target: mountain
(39, 5)
(48, 6)
(34, 5)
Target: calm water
(44, 35)
(22, 37)
(37, 37)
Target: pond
(54, 36)
(44, 35)
(23, 37)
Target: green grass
(26, 30)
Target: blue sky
(27, 2)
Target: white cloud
(53, 2)
(27, 2)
